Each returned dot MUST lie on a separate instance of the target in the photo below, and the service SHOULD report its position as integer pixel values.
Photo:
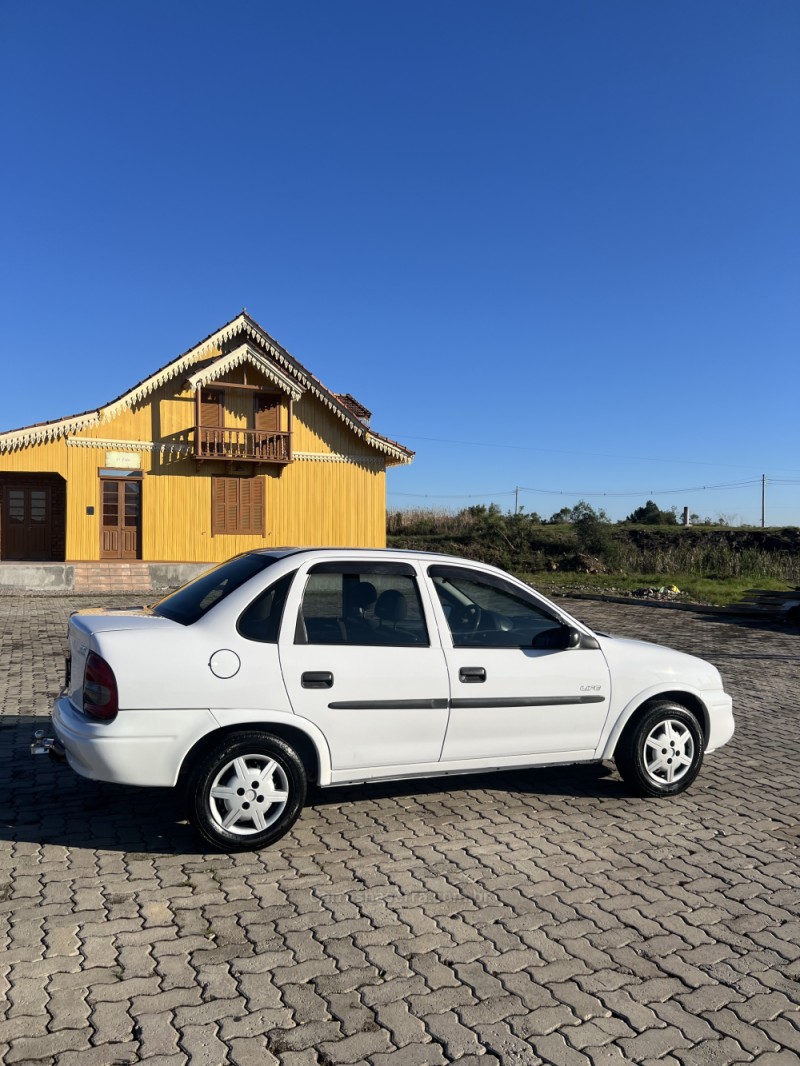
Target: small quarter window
(261, 621)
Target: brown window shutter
(260, 507)
(211, 408)
(268, 409)
(218, 488)
(245, 505)
(237, 505)
(232, 505)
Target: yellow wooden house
(231, 446)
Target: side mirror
(559, 638)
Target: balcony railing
(250, 445)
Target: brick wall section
(112, 577)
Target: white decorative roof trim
(172, 370)
(373, 461)
(400, 455)
(245, 353)
(314, 387)
(213, 344)
(128, 445)
(317, 389)
(48, 431)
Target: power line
(645, 492)
(582, 494)
(453, 496)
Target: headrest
(363, 595)
(391, 606)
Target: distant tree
(593, 532)
(485, 519)
(561, 517)
(652, 515)
(582, 509)
(524, 518)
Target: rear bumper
(137, 748)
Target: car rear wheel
(247, 792)
(661, 752)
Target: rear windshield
(192, 601)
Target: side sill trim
(527, 701)
(441, 705)
(389, 705)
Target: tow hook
(44, 745)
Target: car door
(362, 661)
(516, 688)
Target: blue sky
(550, 245)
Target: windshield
(192, 601)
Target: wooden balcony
(242, 445)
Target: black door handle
(472, 675)
(317, 679)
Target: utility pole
(763, 500)
(516, 499)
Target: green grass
(694, 588)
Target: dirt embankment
(765, 540)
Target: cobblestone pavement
(523, 918)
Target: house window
(237, 505)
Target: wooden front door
(121, 519)
(26, 523)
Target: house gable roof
(246, 354)
(257, 347)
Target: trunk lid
(85, 625)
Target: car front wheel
(661, 752)
(247, 792)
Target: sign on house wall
(124, 460)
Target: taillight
(100, 699)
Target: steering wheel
(468, 618)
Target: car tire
(247, 792)
(660, 753)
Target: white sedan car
(342, 666)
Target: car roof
(380, 553)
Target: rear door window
(352, 603)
